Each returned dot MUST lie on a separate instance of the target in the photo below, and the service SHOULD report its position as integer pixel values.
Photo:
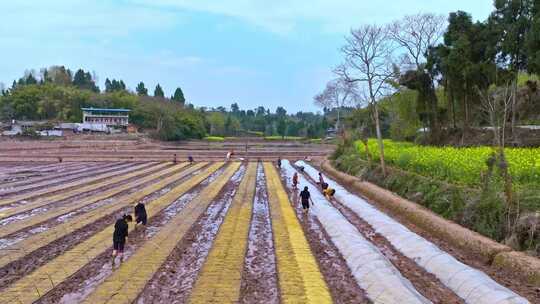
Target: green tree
(30, 79)
(158, 91)
(216, 121)
(512, 21)
(235, 109)
(466, 61)
(84, 80)
(141, 89)
(532, 40)
(281, 127)
(179, 96)
(281, 112)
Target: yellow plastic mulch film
(125, 284)
(221, 275)
(86, 186)
(37, 219)
(31, 287)
(299, 276)
(22, 248)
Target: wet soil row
(78, 172)
(71, 199)
(175, 279)
(78, 286)
(37, 258)
(259, 277)
(339, 278)
(35, 229)
(29, 173)
(33, 196)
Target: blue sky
(270, 53)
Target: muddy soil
(259, 277)
(56, 204)
(342, 284)
(78, 286)
(508, 279)
(22, 173)
(58, 179)
(17, 269)
(174, 281)
(14, 238)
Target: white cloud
(283, 16)
(80, 19)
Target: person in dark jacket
(140, 214)
(279, 162)
(305, 197)
(119, 236)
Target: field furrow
(220, 278)
(33, 286)
(10, 256)
(259, 277)
(93, 185)
(48, 180)
(300, 279)
(125, 284)
(35, 220)
(338, 275)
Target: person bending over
(119, 237)
(329, 193)
(140, 214)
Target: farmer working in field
(140, 214)
(305, 197)
(329, 192)
(295, 181)
(321, 180)
(119, 237)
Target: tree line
(58, 94)
(442, 73)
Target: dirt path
(259, 277)
(337, 274)
(175, 279)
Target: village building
(109, 117)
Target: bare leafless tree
(497, 107)
(338, 93)
(416, 34)
(369, 59)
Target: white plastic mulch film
(382, 282)
(468, 283)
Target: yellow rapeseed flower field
(456, 165)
